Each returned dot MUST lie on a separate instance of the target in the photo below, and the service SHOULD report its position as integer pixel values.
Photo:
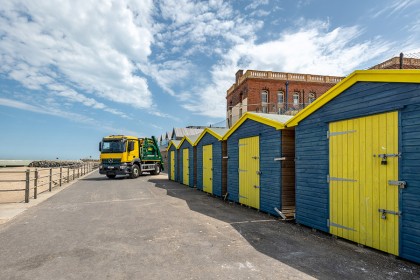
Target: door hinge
(329, 134)
(256, 187)
(400, 184)
(259, 172)
(331, 224)
(384, 212)
(255, 157)
(279, 158)
(329, 179)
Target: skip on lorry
(129, 155)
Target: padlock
(384, 161)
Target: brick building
(274, 92)
(408, 61)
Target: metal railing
(41, 177)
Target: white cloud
(47, 111)
(88, 46)
(311, 49)
(394, 6)
(201, 26)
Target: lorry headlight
(123, 165)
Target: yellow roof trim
(172, 143)
(249, 116)
(388, 76)
(210, 131)
(182, 141)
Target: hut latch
(400, 184)
(384, 212)
(385, 156)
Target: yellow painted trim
(189, 141)
(210, 131)
(182, 141)
(388, 76)
(171, 143)
(250, 116)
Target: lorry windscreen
(113, 146)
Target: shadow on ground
(312, 252)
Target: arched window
(296, 98)
(280, 97)
(311, 97)
(264, 96)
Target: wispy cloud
(85, 46)
(393, 7)
(323, 52)
(47, 111)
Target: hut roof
(174, 143)
(276, 121)
(383, 76)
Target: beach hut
(259, 169)
(358, 161)
(187, 159)
(211, 164)
(173, 160)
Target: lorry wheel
(110, 176)
(157, 169)
(135, 172)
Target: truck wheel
(135, 172)
(157, 169)
(110, 176)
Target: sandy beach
(18, 175)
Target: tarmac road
(152, 228)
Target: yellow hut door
(208, 168)
(249, 171)
(173, 165)
(185, 166)
(364, 182)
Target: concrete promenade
(152, 228)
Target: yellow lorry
(129, 155)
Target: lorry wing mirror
(100, 146)
(130, 146)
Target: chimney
(238, 75)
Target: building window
(264, 109)
(311, 97)
(280, 97)
(296, 98)
(240, 109)
(264, 96)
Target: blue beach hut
(173, 160)
(211, 167)
(358, 160)
(260, 171)
(187, 158)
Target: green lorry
(129, 155)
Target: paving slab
(152, 228)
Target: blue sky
(74, 71)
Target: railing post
(73, 173)
(68, 174)
(50, 184)
(36, 184)
(61, 176)
(27, 186)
